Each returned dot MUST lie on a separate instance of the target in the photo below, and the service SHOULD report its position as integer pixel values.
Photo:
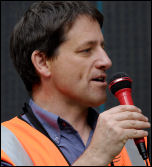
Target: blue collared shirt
(63, 134)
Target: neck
(65, 108)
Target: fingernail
(149, 124)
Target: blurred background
(127, 34)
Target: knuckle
(133, 123)
(117, 132)
(127, 108)
(104, 117)
(135, 132)
(122, 107)
(130, 115)
(130, 108)
(134, 107)
(111, 126)
(139, 133)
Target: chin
(98, 101)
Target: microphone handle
(125, 98)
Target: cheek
(63, 76)
(69, 71)
(69, 81)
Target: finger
(122, 108)
(127, 115)
(134, 133)
(134, 124)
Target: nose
(103, 61)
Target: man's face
(78, 72)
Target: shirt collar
(53, 121)
(43, 115)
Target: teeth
(99, 79)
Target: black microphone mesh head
(116, 85)
(118, 75)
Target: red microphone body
(120, 86)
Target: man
(58, 50)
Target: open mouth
(99, 79)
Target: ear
(39, 61)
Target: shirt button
(63, 124)
(57, 140)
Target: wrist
(91, 158)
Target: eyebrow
(89, 43)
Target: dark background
(127, 33)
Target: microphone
(120, 85)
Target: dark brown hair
(43, 28)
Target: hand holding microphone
(120, 86)
(114, 127)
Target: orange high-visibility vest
(35, 149)
(41, 150)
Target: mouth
(100, 79)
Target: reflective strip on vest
(41, 150)
(9, 144)
(133, 153)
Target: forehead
(83, 29)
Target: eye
(86, 50)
